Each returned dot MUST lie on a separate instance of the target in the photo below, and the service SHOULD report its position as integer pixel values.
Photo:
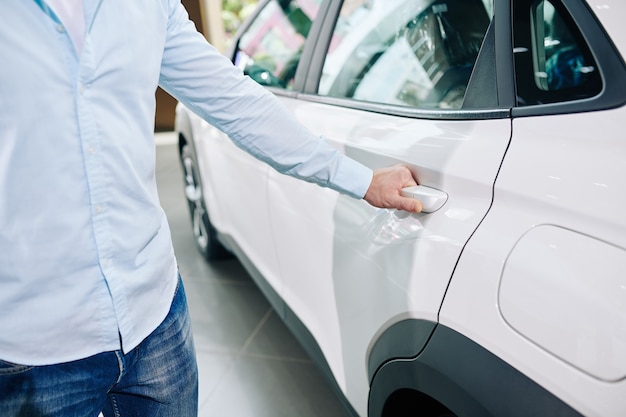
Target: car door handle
(431, 198)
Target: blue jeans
(158, 378)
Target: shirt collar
(91, 8)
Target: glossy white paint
(568, 172)
(566, 292)
(611, 14)
(235, 189)
(540, 282)
(374, 267)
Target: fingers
(386, 187)
(411, 205)
(405, 177)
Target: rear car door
(388, 82)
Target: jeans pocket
(9, 368)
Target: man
(94, 316)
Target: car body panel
(564, 291)
(611, 14)
(519, 180)
(235, 192)
(402, 261)
(573, 179)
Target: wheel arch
(458, 373)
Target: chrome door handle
(431, 198)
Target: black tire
(204, 233)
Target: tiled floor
(249, 364)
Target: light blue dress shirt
(86, 258)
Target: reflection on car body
(508, 300)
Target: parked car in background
(507, 299)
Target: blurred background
(218, 21)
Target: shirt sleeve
(205, 81)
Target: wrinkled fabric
(86, 259)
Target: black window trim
(608, 60)
(316, 63)
(611, 66)
(404, 111)
(307, 52)
(310, 67)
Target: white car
(507, 297)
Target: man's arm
(255, 120)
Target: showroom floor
(249, 364)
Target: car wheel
(204, 233)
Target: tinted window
(270, 49)
(416, 53)
(552, 61)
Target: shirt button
(91, 150)
(81, 88)
(60, 28)
(106, 263)
(99, 209)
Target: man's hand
(387, 183)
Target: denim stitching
(114, 406)
(13, 368)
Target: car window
(270, 49)
(417, 53)
(552, 60)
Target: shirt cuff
(352, 178)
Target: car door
(235, 183)
(387, 84)
(545, 268)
